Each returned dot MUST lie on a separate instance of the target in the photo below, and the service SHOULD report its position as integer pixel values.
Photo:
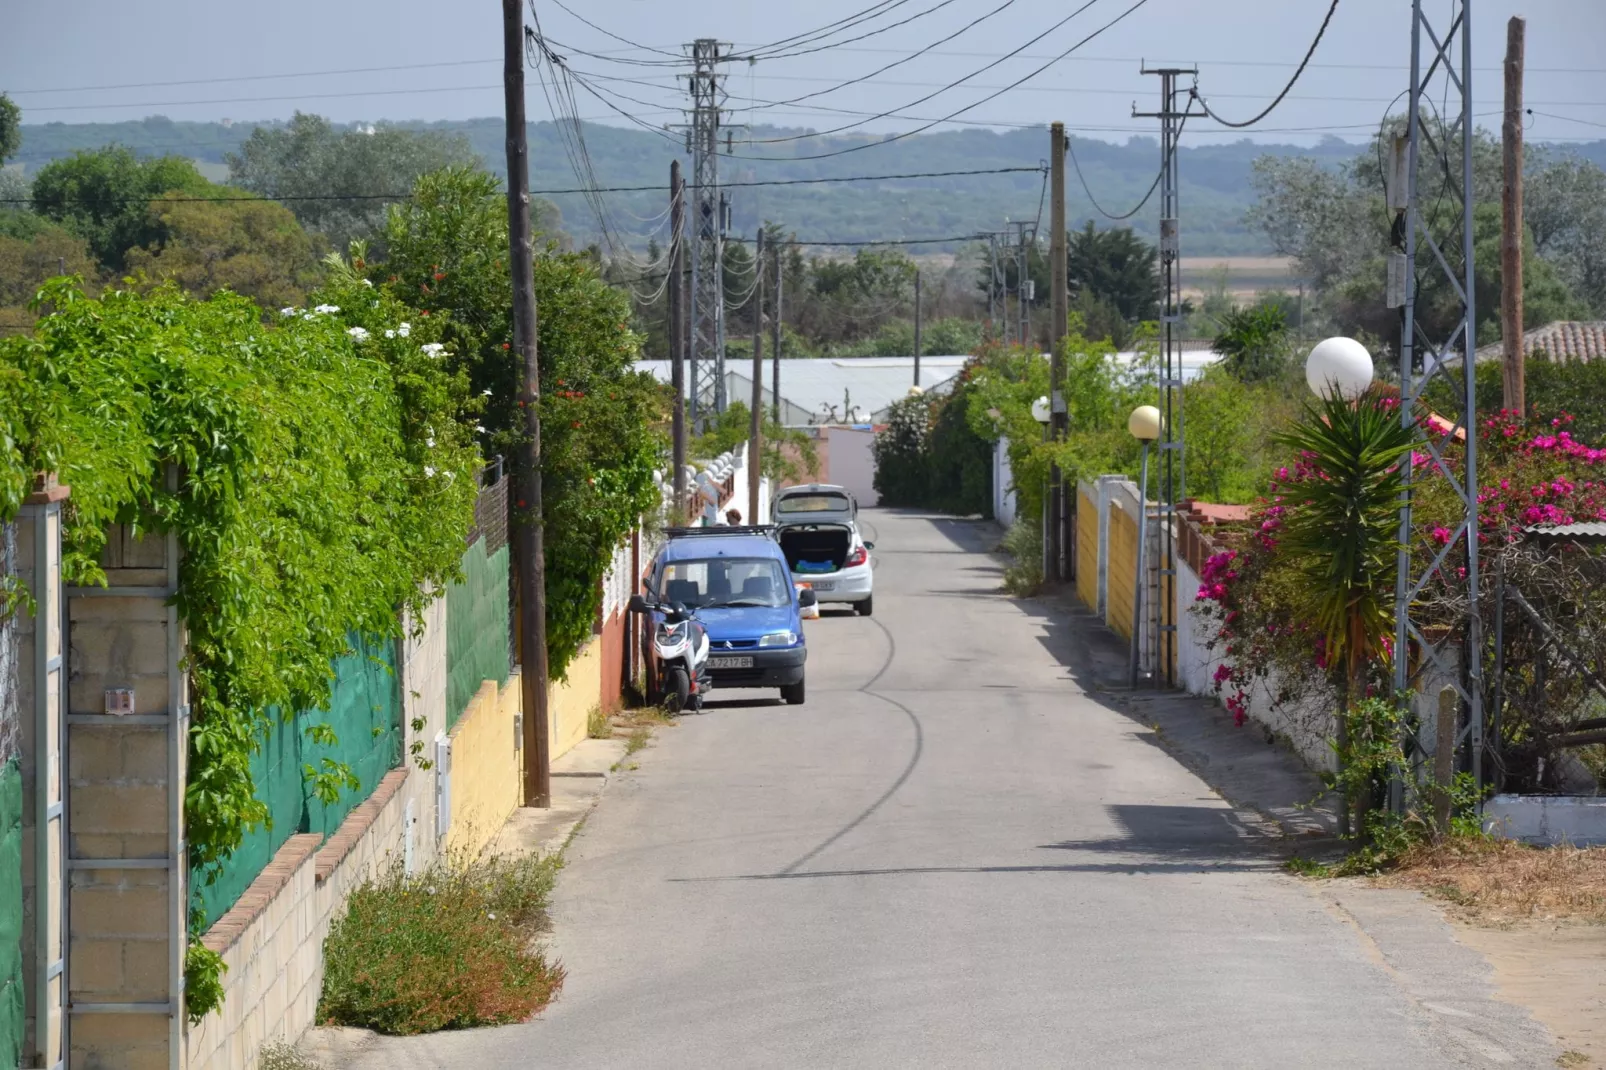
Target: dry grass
(1498, 880)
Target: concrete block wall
(272, 939)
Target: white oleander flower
(405, 329)
(390, 334)
(327, 308)
(434, 349)
(357, 333)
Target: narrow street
(956, 854)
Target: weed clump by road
(448, 948)
(1503, 880)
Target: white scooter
(679, 675)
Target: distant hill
(1215, 178)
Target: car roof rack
(715, 532)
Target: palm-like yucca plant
(1342, 528)
(1341, 533)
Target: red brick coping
(294, 854)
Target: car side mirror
(807, 597)
(638, 604)
(869, 546)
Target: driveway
(957, 855)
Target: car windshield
(822, 502)
(727, 581)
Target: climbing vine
(313, 471)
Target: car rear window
(813, 503)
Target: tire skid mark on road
(903, 777)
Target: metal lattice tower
(1447, 353)
(1172, 483)
(708, 220)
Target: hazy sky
(200, 59)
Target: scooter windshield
(727, 582)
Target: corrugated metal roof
(1593, 529)
(822, 391)
(815, 391)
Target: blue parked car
(737, 581)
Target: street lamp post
(1042, 412)
(1143, 425)
(1341, 369)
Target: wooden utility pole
(1060, 532)
(526, 511)
(1511, 228)
(677, 337)
(775, 340)
(755, 432)
(917, 327)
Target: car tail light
(858, 557)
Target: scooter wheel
(677, 691)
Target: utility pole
(526, 511)
(992, 279)
(1061, 533)
(755, 431)
(775, 340)
(1434, 219)
(1025, 232)
(1511, 227)
(710, 216)
(1172, 489)
(677, 337)
(917, 327)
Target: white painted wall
(853, 462)
(1004, 498)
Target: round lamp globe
(1144, 423)
(1341, 366)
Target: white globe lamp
(1144, 423)
(1040, 410)
(1339, 366)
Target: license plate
(827, 585)
(730, 663)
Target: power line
(1071, 152)
(823, 180)
(951, 53)
(974, 104)
(1311, 51)
(895, 63)
(839, 44)
(943, 89)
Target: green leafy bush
(449, 948)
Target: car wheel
(865, 607)
(792, 694)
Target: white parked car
(818, 529)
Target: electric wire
(1164, 163)
(895, 63)
(945, 88)
(838, 44)
(1317, 40)
(889, 139)
(824, 179)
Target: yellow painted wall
(487, 774)
(1123, 565)
(1087, 550)
(486, 778)
(570, 703)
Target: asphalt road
(955, 856)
